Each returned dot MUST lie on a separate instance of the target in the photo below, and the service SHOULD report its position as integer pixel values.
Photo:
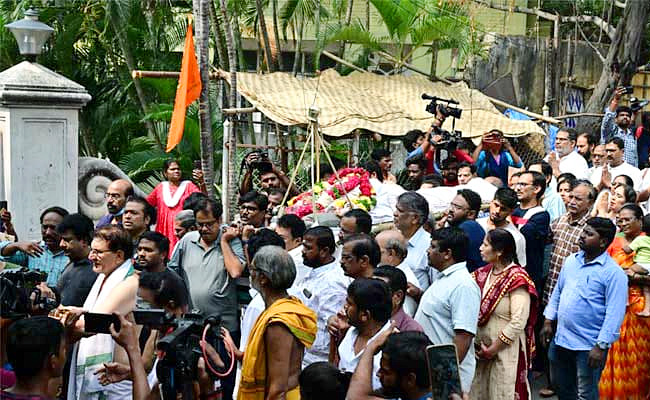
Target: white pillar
(39, 129)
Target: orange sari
(627, 371)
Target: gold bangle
(505, 339)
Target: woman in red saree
(168, 198)
(627, 370)
(505, 340)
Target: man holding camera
(616, 123)
(270, 175)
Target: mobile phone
(3, 205)
(443, 371)
(197, 164)
(99, 323)
(629, 89)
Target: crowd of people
(546, 275)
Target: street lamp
(30, 33)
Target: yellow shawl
(301, 322)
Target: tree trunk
(130, 64)
(276, 33)
(296, 58)
(201, 10)
(219, 38)
(625, 50)
(348, 20)
(265, 36)
(232, 100)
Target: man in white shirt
(324, 289)
(393, 252)
(411, 213)
(602, 177)
(449, 308)
(291, 229)
(368, 308)
(565, 158)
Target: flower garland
(330, 195)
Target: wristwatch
(603, 345)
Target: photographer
(494, 155)
(270, 175)
(616, 123)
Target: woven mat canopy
(389, 105)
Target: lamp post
(30, 33)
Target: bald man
(394, 249)
(115, 196)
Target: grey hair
(415, 203)
(398, 246)
(277, 265)
(186, 218)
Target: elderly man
(565, 158)
(114, 290)
(184, 222)
(411, 213)
(273, 356)
(360, 256)
(46, 255)
(394, 250)
(616, 123)
(588, 306)
(116, 195)
(567, 229)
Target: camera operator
(270, 175)
(494, 155)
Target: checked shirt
(565, 241)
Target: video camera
(449, 140)
(19, 294)
(179, 350)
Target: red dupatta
(513, 277)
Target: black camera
(19, 294)
(443, 106)
(262, 163)
(180, 349)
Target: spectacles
(100, 252)
(113, 196)
(207, 224)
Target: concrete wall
(524, 58)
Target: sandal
(546, 392)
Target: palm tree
(411, 24)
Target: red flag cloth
(189, 89)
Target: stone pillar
(39, 131)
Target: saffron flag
(189, 89)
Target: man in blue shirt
(47, 255)
(462, 214)
(588, 306)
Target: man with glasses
(565, 158)
(209, 260)
(533, 222)
(411, 213)
(614, 166)
(116, 195)
(462, 214)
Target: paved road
(537, 385)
